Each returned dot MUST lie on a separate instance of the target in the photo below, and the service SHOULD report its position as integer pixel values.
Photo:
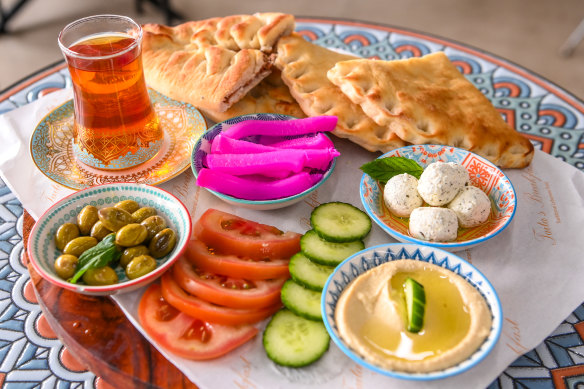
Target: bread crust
(428, 101)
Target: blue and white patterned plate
(483, 174)
(41, 243)
(369, 258)
(203, 147)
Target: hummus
(371, 319)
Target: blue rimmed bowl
(367, 259)
(42, 251)
(483, 174)
(203, 147)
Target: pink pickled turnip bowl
(203, 147)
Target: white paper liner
(535, 264)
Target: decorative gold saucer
(51, 147)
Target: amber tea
(115, 124)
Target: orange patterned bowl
(483, 174)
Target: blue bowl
(203, 147)
(369, 258)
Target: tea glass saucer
(51, 147)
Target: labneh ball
(441, 181)
(472, 206)
(435, 224)
(401, 195)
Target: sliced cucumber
(291, 340)
(307, 273)
(415, 304)
(340, 222)
(303, 302)
(327, 253)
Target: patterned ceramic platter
(51, 147)
(483, 174)
(372, 257)
(553, 119)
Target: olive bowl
(369, 258)
(42, 250)
(483, 174)
(202, 149)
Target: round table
(33, 351)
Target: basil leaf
(100, 255)
(383, 169)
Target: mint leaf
(99, 255)
(383, 169)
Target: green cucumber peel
(415, 296)
(383, 169)
(99, 255)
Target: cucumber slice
(301, 301)
(415, 304)
(340, 222)
(327, 253)
(307, 273)
(290, 340)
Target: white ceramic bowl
(203, 147)
(371, 257)
(483, 174)
(41, 247)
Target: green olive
(65, 266)
(100, 276)
(143, 213)
(66, 233)
(78, 245)
(131, 235)
(131, 252)
(162, 243)
(98, 231)
(139, 266)
(113, 218)
(129, 206)
(86, 219)
(154, 224)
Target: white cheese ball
(434, 224)
(441, 181)
(401, 195)
(472, 206)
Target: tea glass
(115, 125)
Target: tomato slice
(232, 234)
(224, 290)
(204, 310)
(184, 335)
(212, 261)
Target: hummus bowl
(457, 270)
(203, 147)
(42, 250)
(483, 174)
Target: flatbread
(212, 63)
(304, 67)
(269, 96)
(427, 100)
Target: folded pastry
(427, 100)
(304, 69)
(269, 96)
(212, 63)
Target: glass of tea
(115, 124)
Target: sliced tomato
(204, 310)
(184, 335)
(232, 234)
(211, 260)
(224, 290)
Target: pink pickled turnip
(273, 163)
(226, 145)
(317, 141)
(254, 189)
(292, 127)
